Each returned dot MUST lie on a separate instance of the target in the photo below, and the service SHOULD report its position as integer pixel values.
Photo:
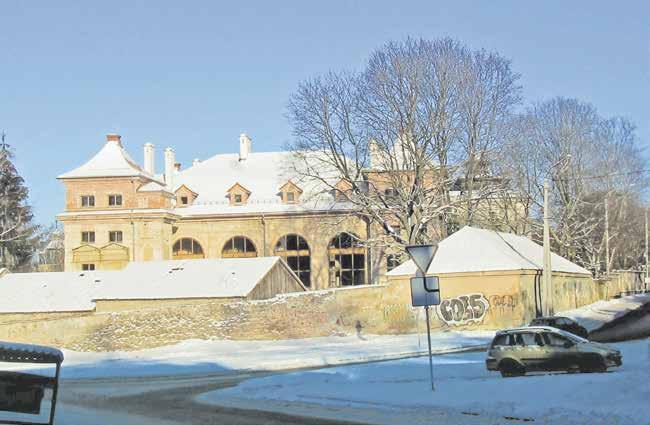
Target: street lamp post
(547, 300)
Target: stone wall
(479, 301)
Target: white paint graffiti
(463, 310)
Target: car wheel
(510, 368)
(593, 365)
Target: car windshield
(571, 336)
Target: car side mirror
(568, 344)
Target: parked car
(563, 323)
(515, 352)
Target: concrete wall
(470, 301)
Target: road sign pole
(426, 310)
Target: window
(347, 258)
(529, 339)
(87, 267)
(239, 247)
(291, 197)
(115, 236)
(184, 200)
(554, 340)
(114, 200)
(187, 248)
(390, 193)
(87, 201)
(295, 251)
(88, 237)
(238, 198)
(503, 341)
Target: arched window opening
(187, 248)
(239, 247)
(347, 258)
(295, 251)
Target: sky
(195, 74)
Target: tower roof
(111, 161)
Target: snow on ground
(401, 388)
(595, 315)
(223, 356)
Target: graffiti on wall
(464, 309)
(503, 301)
(398, 313)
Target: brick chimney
(170, 160)
(149, 158)
(245, 146)
(114, 138)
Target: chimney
(196, 162)
(149, 158)
(170, 160)
(245, 145)
(177, 167)
(375, 154)
(114, 138)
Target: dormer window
(185, 196)
(290, 192)
(238, 194)
(342, 190)
(87, 201)
(114, 200)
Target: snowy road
(398, 392)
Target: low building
(39, 296)
(143, 285)
(494, 278)
(166, 283)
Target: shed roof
(173, 279)
(478, 250)
(48, 292)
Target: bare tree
(395, 139)
(589, 161)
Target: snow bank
(225, 356)
(595, 315)
(401, 388)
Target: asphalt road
(168, 399)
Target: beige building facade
(244, 204)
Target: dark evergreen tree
(17, 231)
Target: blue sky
(195, 74)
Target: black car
(563, 323)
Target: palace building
(244, 204)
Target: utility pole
(547, 300)
(647, 269)
(607, 235)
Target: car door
(532, 350)
(561, 352)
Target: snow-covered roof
(209, 278)
(262, 173)
(48, 292)
(111, 161)
(478, 250)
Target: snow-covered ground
(223, 356)
(401, 389)
(595, 315)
